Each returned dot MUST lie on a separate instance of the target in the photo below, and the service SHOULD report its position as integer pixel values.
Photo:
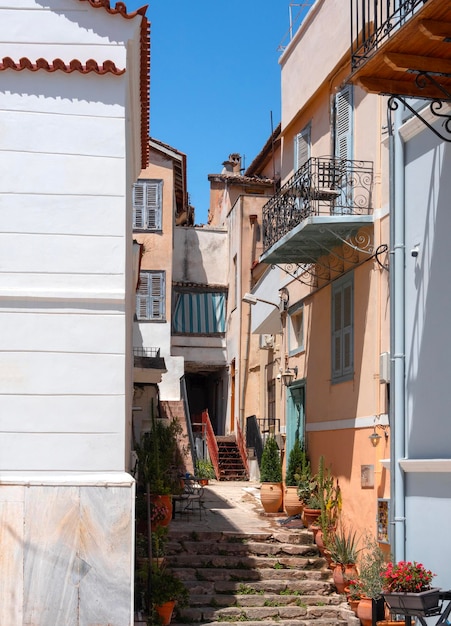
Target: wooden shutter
(153, 205)
(343, 329)
(157, 295)
(138, 205)
(142, 297)
(343, 123)
(301, 148)
(347, 341)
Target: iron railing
(212, 444)
(322, 186)
(374, 21)
(254, 437)
(146, 352)
(242, 448)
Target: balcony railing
(373, 21)
(323, 186)
(146, 352)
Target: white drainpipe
(397, 336)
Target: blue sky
(214, 81)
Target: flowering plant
(158, 512)
(406, 576)
(354, 589)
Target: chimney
(233, 165)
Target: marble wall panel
(11, 558)
(106, 548)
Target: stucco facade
(70, 150)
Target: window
(150, 297)
(199, 313)
(147, 205)
(302, 148)
(343, 329)
(296, 328)
(271, 389)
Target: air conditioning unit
(266, 342)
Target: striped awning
(200, 313)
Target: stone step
(261, 599)
(219, 573)
(298, 611)
(237, 561)
(250, 587)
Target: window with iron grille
(147, 205)
(343, 329)
(150, 297)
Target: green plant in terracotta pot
(371, 563)
(343, 549)
(205, 470)
(271, 477)
(297, 460)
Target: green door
(295, 415)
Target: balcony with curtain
(402, 47)
(324, 203)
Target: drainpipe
(397, 336)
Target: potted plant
(343, 548)
(371, 563)
(353, 592)
(271, 477)
(204, 471)
(407, 588)
(166, 591)
(296, 462)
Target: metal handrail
(212, 444)
(240, 442)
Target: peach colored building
(325, 242)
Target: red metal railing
(242, 447)
(212, 444)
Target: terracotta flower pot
(167, 502)
(165, 612)
(291, 502)
(310, 516)
(365, 611)
(342, 574)
(271, 496)
(354, 604)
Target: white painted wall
(65, 263)
(428, 347)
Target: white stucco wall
(427, 348)
(65, 245)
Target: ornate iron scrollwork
(436, 106)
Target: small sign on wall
(367, 476)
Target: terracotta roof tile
(108, 67)
(120, 7)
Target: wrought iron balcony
(401, 47)
(327, 197)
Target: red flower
(406, 576)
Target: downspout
(397, 336)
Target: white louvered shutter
(138, 205)
(153, 205)
(142, 297)
(157, 292)
(301, 148)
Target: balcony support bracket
(436, 106)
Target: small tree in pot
(271, 477)
(297, 461)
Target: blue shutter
(344, 145)
(342, 335)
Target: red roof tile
(75, 65)
(120, 7)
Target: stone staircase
(230, 463)
(259, 579)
